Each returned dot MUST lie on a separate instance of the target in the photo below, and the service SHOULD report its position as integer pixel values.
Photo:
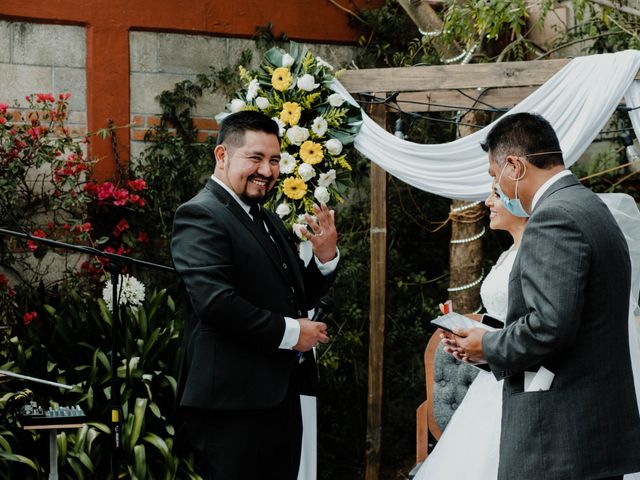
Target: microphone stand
(115, 263)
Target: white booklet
(453, 320)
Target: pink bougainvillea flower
(121, 197)
(143, 237)
(91, 188)
(137, 185)
(33, 246)
(34, 132)
(29, 317)
(44, 97)
(120, 227)
(105, 190)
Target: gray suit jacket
(568, 310)
(238, 291)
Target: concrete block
(144, 51)
(235, 46)
(339, 56)
(20, 80)
(73, 80)
(41, 44)
(190, 54)
(145, 87)
(5, 42)
(136, 150)
(210, 105)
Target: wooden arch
(424, 89)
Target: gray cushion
(452, 379)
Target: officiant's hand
(469, 341)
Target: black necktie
(256, 215)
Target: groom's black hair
(524, 134)
(236, 124)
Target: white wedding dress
(470, 444)
(469, 447)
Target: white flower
(283, 210)
(299, 229)
(323, 63)
(287, 163)
(302, 219)
(319, 126)
(334, 147)
(307, 83)
(237, 105)
(297, 135)
(306, 172)
(327, 179)
(287, 60)
(262, 103)
(131, 292)
(252, 89)
(335, 100)
(281, 125)
(322, 194)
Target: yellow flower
(291, 112)
(294, 188)
(311, 152)
(281, 79)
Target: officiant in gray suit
(567, 320)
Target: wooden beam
(451, 77)
(377, 304)
(451, 100)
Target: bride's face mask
(513, 206)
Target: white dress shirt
(545, 186)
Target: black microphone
(324, 308)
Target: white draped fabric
(577, 101)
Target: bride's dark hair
(525, 134)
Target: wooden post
(465, 255)
(465, 251)
(377, 302)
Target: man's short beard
(253, 200)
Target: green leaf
(140, 465)
(12, 457)
(159, 443)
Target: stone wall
(41, 58)
(160, 60)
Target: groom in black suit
(247, 339)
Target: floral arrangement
(317, 128)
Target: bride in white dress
(469, 446)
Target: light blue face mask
(513, 206)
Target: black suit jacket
(238, 289)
